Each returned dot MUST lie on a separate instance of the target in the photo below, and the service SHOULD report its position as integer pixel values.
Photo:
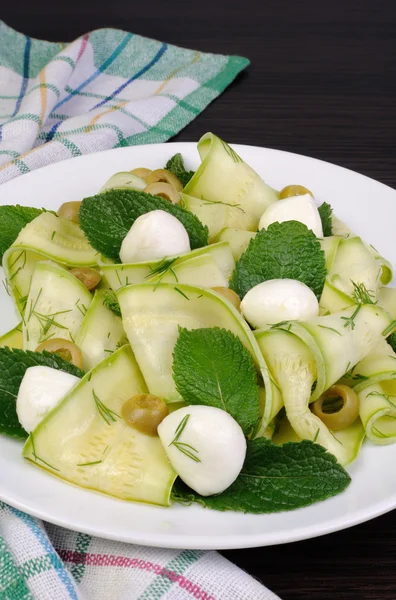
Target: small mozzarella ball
(41, 389)
(154, 235)
(279, 300)
(296, 208)
(214, 438)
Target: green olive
(230, 295)
(70, 211)
(165, 177)
(144, 412)
(338, 407)
(164, 190)
(293, 190)
(141, 172)
(89, 277)
(66, 350)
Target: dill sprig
(105, 412)
(362, 295)
(161, 269)
(186, 449)
(351, 320)
(37, 458)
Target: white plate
(368, 207)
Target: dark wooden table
(322, 82)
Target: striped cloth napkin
(104, 90)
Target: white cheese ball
(279, 300)
(219, 446)
(154, 235)
(41, 389)
(297, 208)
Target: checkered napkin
(104, 90)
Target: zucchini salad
(196, 337)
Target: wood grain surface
(322, 82)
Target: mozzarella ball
(216, 441)
(296, 208)
(41, 389)
(154, 235)
(279, 300)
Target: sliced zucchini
(211, 214)
(387, 299)
(333, 300)
(124, 180)
(56, 305)
(295, 368)
(340, 340)
(379, 365)
(120, 275)
(350, 438)
(354, 264)
(238, 239)
(46, 237)
(84, 440)
(152, 316)
(13, 338)
(101, 333)
(378, 411)
(224, 177)
(329, 245)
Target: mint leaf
(212, 367)
(106, 219)
(176, 166)
(13, 364)
(325, 212)
(110, 300)
(12, 220)
(275, 478)
(286, 250)
(391, 339)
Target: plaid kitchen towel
(52, 563)
(106, 89)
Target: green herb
(107, 218)
(350, 321)
(386, 397)
(89, 464)
(111, 302)
(186, 449)
(389, 329)
(316, 435)
(286, 250)
(276, 478)
(325, 213)
(53, 235)
(213, 368)
(392, 341)
(330, 329)
(13, 365)
(12, 220)
(231, 152)
(179, 291)
(37, 458)
(176, 166)
(362, 295)
(105, 412)
(161, 269)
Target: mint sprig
(275, 478)
(286, 250)
(213, 368)
(176, 166)
(13, 365)
(12, 220)
(107, 218)
(325, 213)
